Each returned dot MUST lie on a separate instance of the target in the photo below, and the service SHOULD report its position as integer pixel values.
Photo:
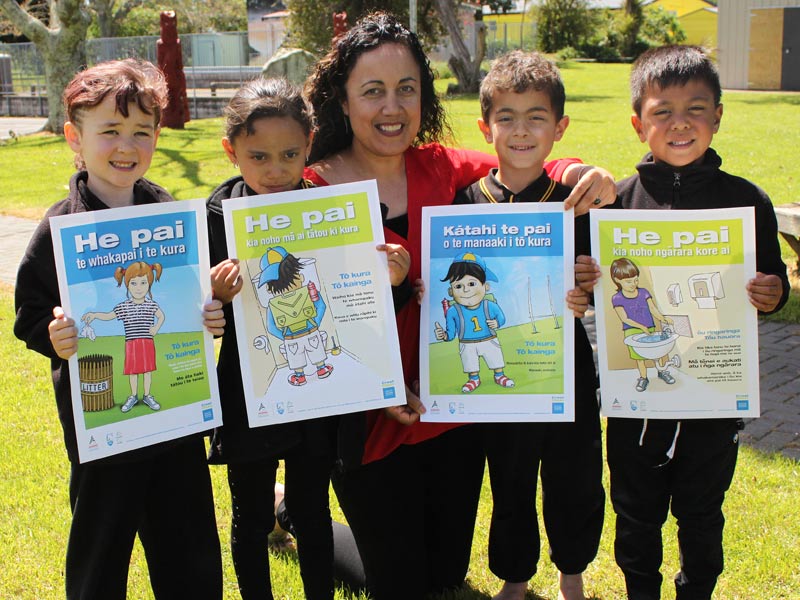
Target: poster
(497, 340)
(135, 280)
(681, 275)
(315, 320)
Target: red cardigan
(434, 174)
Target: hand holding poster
(135, 280)
(676, 334)
(497, 339)
(315, 322)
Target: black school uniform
(569, 454)
(252, 456)
(686, 466)
(162, 492)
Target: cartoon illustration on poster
(495, 343)
(135, 280)
(677, 337)
(315, 320)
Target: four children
(163, 492)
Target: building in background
(759, 44)
(266, 29)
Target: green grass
(762, 533)
(755, 141)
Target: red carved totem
(170, 61)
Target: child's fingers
(63, 334)
(578, 302)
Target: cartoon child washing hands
(142, 318)
(637, 310)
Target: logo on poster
(279, 407)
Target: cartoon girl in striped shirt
(142, 318)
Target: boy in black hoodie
(162, 492)
(676, 93)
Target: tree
(311, 28)
(562, 23)
(311, 21)
(60, 42)
(110, 14)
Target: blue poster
(135, 279)
(496, 334)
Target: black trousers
(645, 483)
(167, 500)
(413, 514)
(252, 486)
(569, 457)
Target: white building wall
(733, 35)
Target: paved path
(19, 125)
(777, 430)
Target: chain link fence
(207, 58)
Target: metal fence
(207, 58)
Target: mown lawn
(762, 535)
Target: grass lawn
(190, 163)
(762, 535)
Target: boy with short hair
(162, 492)
(522, 115)
(676, 93)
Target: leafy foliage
(311, 21)
(141, 17)
(605, 35)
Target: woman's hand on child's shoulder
(399, 262)
(214, 317)
(765, 291)
(595, 188)
(63, 334)
(225, 280)
(587, 272)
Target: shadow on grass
(581, 98)
(767, 98)
(189, 166)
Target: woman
(409, 490)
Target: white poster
(676, 334)
(315, 320)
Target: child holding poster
(268, 135)
(688, 465)
(522, 114)
(163, 491)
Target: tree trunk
(62, 47)
(466, 70)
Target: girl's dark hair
(129, 80)
(261, 98)
(325, 88)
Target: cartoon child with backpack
(295, 313)
(473, 316)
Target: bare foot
(280, 540)
(512, 591)
(570, 587)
